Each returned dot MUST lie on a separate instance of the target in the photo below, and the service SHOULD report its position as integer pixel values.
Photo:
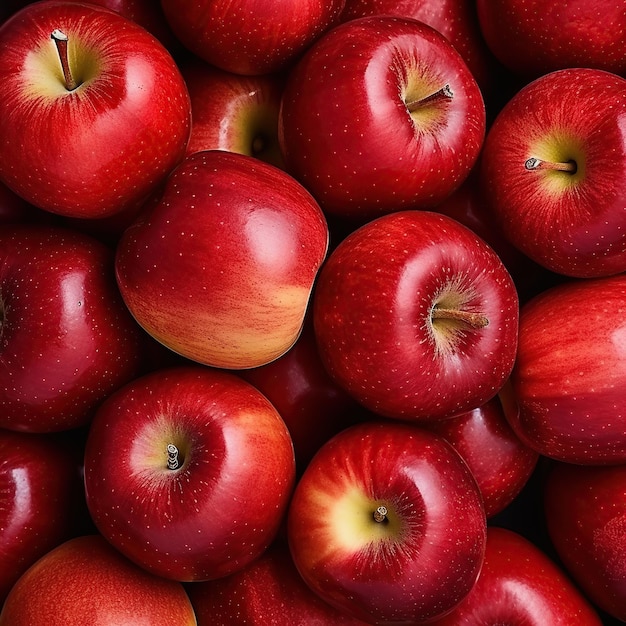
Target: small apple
(387, 524)
(86, 581)
(416, 316)
(96, 105)
(188, 472)
(67, 338)
(380, 114)
(553, 170)
(221, 267)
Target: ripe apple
(86, 581)
(381, 113)
(520, 584)
(534, 37)
(585, 509)
(67, 338)
(566, 392)
(220, 269)
(416, 316)
(96, 104)
(387, 524)
(250, 36)
(233, 112)
(554, 171)
(188, 472)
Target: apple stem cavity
(380, 514)
(60, 39)
(538, 164)
(443, 94)
(172, 457)
(472, 319)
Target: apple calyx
(444, 94)
(173, 462)
(380, 514)
(61, 40)
(534, 163)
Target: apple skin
(224, 504)
(520, 584)
(67, 338)
(499, 461)
(250, 37)
(532, 37)
(248, 240)
(571, 223)
(86, 581)
(566, 392)
(104, 146)
(373, 310)
(233, 112)
(348, 135)
(417, 564)
(585, 508)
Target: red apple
(250, 36)
(67, 338)
(221, 268)
(96, 104)
(387, 524)
(416, 316)
(534, 37)
(267, 591)
(380, 114)
(233, 112)
(499, 461)
(86, 581)
(566, 397)
(585, 509)
(188, 472)
(520, 584)
(554, 171)
(40, 484)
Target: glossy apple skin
(86, 581)
(106, 145)
(233, 112)
(248, 240)
(418, 564)
(348, 136)
(585, 508)
(573, 224)
(250, 37)
(520, 584)
(267, 591)
(224, 504)
(372, 310)
(67, 338)
(566, 398)
(497, 458)
(40, 485)
(532, 38)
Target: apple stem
(445, 93)
(172, 456)
(475, 320)
(537, 164)
(61, 39)
(380, 514)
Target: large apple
(220, 269)
(67, 338)
(554, 171)
(387, 524)
(380, 114)
(520, 584)
(250, 36)
(94, 113)
(416, 316)
(566, 392)
(86, 581)
(188, 472)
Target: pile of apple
(312, 312)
